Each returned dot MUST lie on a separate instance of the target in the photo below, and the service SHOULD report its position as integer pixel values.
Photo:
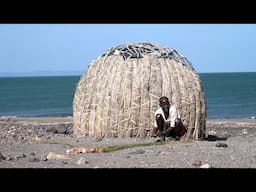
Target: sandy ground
(27, 143)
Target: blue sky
(68, 48)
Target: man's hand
(155, 132)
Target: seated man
(167, 121)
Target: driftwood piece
(77, 150)
(56, 156)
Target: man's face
(165, 105)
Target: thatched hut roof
(118, 94)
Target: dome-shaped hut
(120, 91)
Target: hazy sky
(71, 47)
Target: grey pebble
(43, 158)
(51, 129)
(139, 151)
(220, 144)
(61, 129)
(20, 156)
(33, 159)
(2, 157)
(197, 163)
(64, 162)
(98, 139)
(10, 158)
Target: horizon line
(79, 73)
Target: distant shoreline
(210, 123)
(70, 115)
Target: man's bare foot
(162, 138)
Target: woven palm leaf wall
(118, 94)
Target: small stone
(10, 158)
(61, 129)
(139, 151)
(32, 154)
(81, 161)
(220, 144)
(69, 129)
(64, 162)
(51, 129)
(223, 137)
(163, 153)
(48, 137)
(33, 159)
(20, 156)
(212, 138)
(98, 139)
(197, 163)
(244, 131)
(2, 157)
(254, 156)
(43, 158)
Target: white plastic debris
(212, 132)
(206, 165)
(244, 131)
(81, 161)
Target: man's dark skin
(163, 128)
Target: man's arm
(174, 114)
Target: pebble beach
(44, 142)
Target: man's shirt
(173, 114)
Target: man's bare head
(163, 99)
(164, 103)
